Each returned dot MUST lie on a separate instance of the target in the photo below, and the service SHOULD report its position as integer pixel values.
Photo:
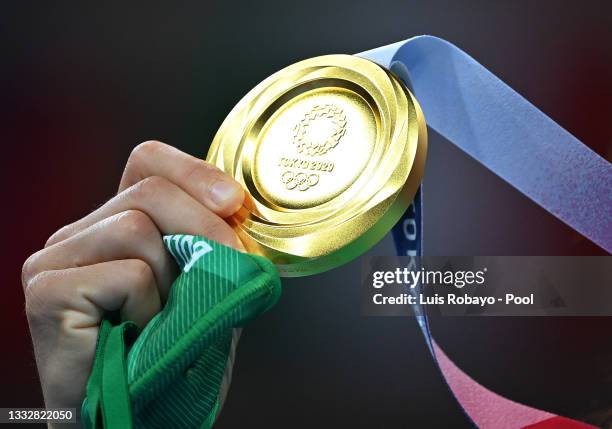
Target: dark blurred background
(82, 84)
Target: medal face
(331, 151)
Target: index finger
(203, 181)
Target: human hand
(114, 259)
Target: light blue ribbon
(473, 109)
(476, 111)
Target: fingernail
(224, 192)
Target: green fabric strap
(108, 400)
(172, 374)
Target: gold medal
(332, 150)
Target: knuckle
(134, 223)
(145, 149)
(139, 157)
(30, 269)
(149, 188)
(36, 293)
(141, 273)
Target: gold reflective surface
(332, 151)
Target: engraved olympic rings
(300, 181)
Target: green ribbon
(171, 375)
(108, 400)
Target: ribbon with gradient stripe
(484, 117)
